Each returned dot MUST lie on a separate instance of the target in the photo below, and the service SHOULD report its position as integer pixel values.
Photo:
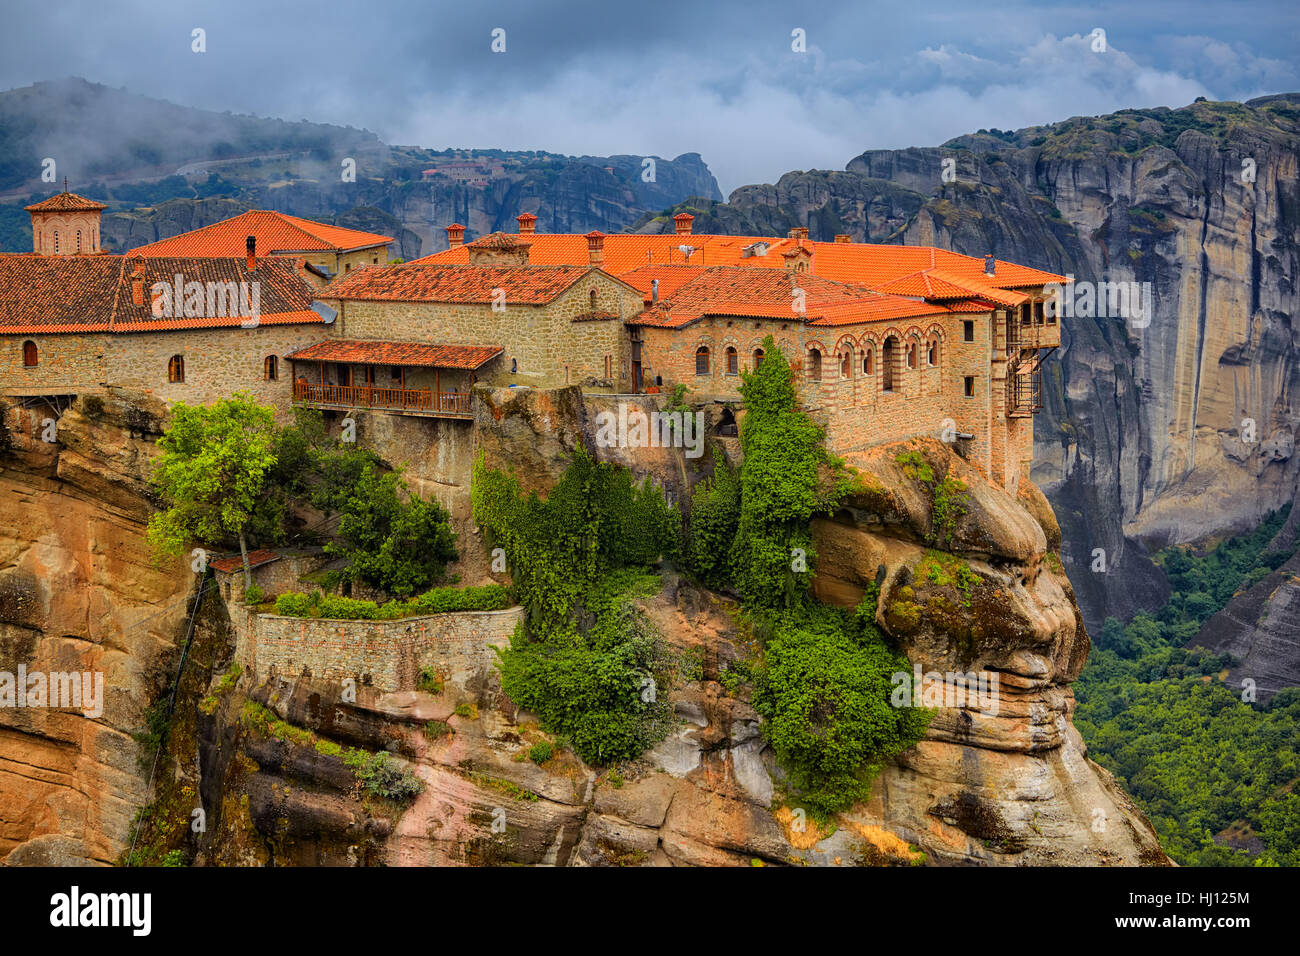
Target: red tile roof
(66, 202)
(499, 240)
(50, 294)
(255, 558)
(771, 293)
(523, 285)
(867, 264)
(275, 232)
(411, 354)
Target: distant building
(65, 225)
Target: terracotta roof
(236, 563)
(275, 232)
(64, 201)
(866, 264)
(770, 293)
(671, 278)
(523, 285)
(46, 294)
(411, 354)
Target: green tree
(392, 538)
(212, 474)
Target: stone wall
(66, 364)
(387, 655)
(544, 342)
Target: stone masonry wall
(387, 655)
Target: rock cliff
(266, 758)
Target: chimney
(595, 247)
(137, 283)
(990, 264)
(842, 237)
(654, 291)
(250, 247)
(799, 232)
(683, 222)
(527, 223)
(455, 236)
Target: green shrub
(541, 752)
(445, 600)
(824, 689)
(430, 681)
(293, 604)
(254, 594)
(436, 729)
(715, 513)
(383, 776)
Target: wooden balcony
(405, 401)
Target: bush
(430, 681)
(254, 594)
(541, 752)
(384, 776)
(447, 600)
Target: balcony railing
(413, 401)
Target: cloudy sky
(720, 77)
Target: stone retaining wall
(387, 655)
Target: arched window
(888, 363)
(846, 363)
(176, 368)
(56, 242)
(758, 358)
(932, 351)
(702, 360)
(31, 357)
(911, 354)
(733, 361)
(815, 365)
(78, 240)
(270, 366)
(868, 361)
(593, 300)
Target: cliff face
(79, 592)
(261, 754)
(1146, 438)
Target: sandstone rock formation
(79, 591)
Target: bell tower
(65, 225)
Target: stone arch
(703, 356)
(868, 348)
(816, 352)
(31, 354)
(891, 361)
(846, 351)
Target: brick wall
(385, 654)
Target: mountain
(1176, 432)
(160, 167)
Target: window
(609, 365)
(733, 361)
(932, 351)
(970, 386)
(815, 365)
(758, 358)
(395, 373)
(270, 368)
(593, 300)
(846, 363)
(702, 360)
(911, 354)
(78, 240)
(888, 363)
(176, 368)
(31, 357)
(56, 242)
(968, 330)
(868, 362)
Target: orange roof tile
(410, 282)
(66, 202)
(866, 264)
(411, 354)
(771, 293)
(275, 232)
(52, 294)
(236, 563)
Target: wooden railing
(416, 400)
